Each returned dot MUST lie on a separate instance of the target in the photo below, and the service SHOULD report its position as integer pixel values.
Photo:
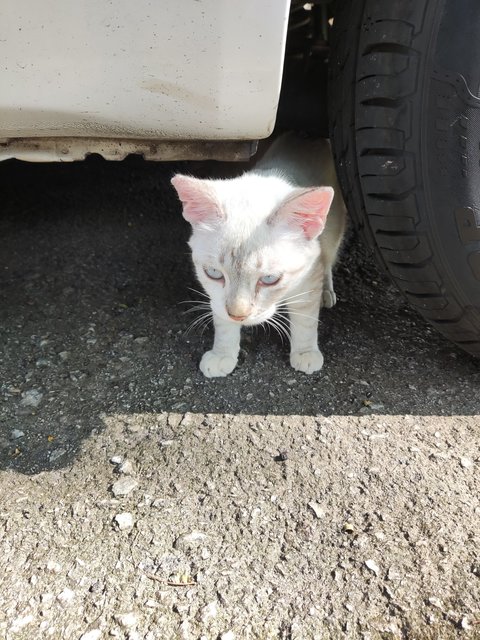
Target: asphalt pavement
(140, 500)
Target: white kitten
(256, 251)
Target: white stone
(94, 634)
(228, 635)
(123, 487)
(187, 539)
(21, 622)
(66, 596)
(126, 620)
(393, 574)
(126, 468)
(465, 623)
(372, 566)
(57, 453)
(116, 460)
(317, 509)
(124, 521)
(54, 566)
(16, 433)
(466, 463)
(435, 602)
(152, 604)
(209, 611)
(31, 398)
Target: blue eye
(269, 280)
(214, 274)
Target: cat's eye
(214, 274)
(269, 279)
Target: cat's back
(305, 162)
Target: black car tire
(405, 129)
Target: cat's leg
(304, 352)
(330, 242)
(328, 258)
(222, 359)
(329, 298)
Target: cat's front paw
(216, 365)
(307, 361)
(329, 299)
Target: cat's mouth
(257, 318)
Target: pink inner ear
(198, 199)
(309, 210)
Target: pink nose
(237, 318)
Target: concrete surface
(139, 500)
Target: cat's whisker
(279, 327)
(287, 305)
(284, 330)
(270, 323)
(196, 309)
(302, 315)
(204, 319)
(297, 295)
(285, 324)
(195, 302)
(201, 293)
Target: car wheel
(405, 129)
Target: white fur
(248, 231)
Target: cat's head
(254, 240)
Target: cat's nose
(237, 318)
(239, 311)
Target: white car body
(81, 76)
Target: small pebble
(31, 398)
(123, 487)
(209, 611)
(152, 604)
(228, 635)
(187, 539)
(46, 598)
(66, 596)
(393, 574)
(94, 634)
(126, 468)
(53, 566)
(116, 460)
(465, 623)
(126, 620)
(372, 566)
(56, 454)
(16, 433)
(317, 509)
(124, 521)
(21, 622)
(435, 602)
(466, 463)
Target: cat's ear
(306, 209)
(200, 204)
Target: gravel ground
(139, 500)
